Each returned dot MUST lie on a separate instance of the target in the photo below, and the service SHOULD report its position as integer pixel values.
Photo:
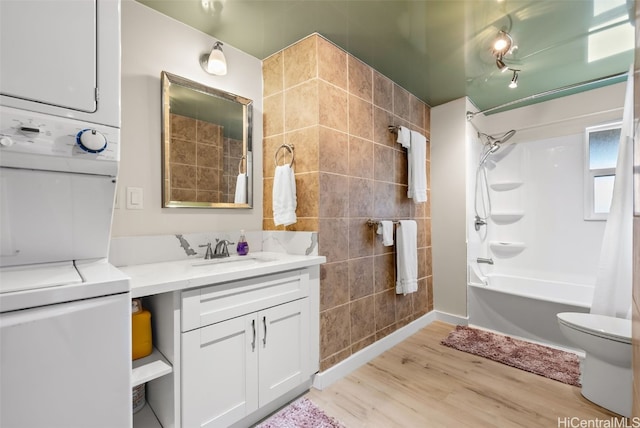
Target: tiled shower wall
(203, 163)
(336, 110)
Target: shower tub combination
(526, 307)
(500, 299)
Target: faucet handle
(209, 253)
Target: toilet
(606, 369)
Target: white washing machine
(65, 317)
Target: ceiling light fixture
(514, 79)
(502, 44)
(501, 65)
(214, 62)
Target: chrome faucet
(483, 260)
(478, 223)
(208, 254)
(222, 249)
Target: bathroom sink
(237, 260)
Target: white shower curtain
(612, 295)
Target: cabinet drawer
(207, 305)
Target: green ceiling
(437, 49)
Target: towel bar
(371, 222)
(393, 129)
(288, 147)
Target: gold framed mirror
(206, 146)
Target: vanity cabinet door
(284, 349)
(231, 368)
(219, 373)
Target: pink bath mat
(541, 360)
(302, 413)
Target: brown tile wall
(232, 155)
(204, 164)
(336, 111)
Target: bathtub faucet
(478, 223)
(483, 260)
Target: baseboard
(343, 368)
(451, 319)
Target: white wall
(152, 43)
(448, 205)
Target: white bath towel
(241, 189)
(417, 157)
(284, 196)
(407, 257)
(385, 228)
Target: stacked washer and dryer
(65, 344)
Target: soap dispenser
(243, 246)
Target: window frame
(591, 174)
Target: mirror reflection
(206, 146)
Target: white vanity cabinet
(248, 347)
(228, 351)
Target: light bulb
(217, 63)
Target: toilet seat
(606, 327)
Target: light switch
(135, 198)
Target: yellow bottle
(141, 344)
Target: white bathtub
(526, 307)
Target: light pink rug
(542, 360)
(302, 413)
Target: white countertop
(155, 278)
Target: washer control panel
(28, 132)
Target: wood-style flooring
(421, 383)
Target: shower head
(492, 149)
(505, 137)
(493, 142)
(493, 139)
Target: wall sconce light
(214, 62)
(514, 79)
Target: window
(601, 156)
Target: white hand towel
(407, 257)
(385, 228)
(241, 189)
(284, 196)
(404, 136)
(417, 158)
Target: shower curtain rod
(471, 115)
(567, 119)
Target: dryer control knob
(91, 141)
(6, 141)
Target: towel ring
(288, 147)
(240, 164)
